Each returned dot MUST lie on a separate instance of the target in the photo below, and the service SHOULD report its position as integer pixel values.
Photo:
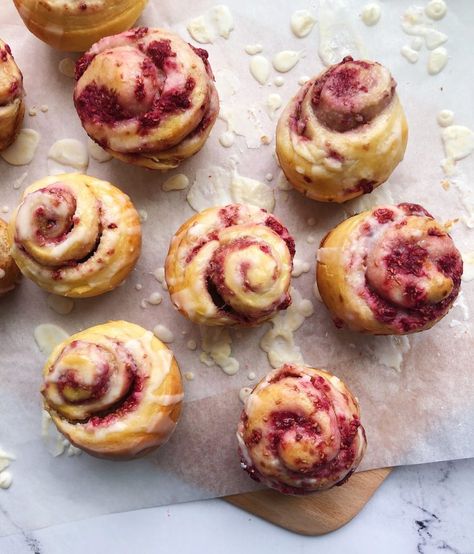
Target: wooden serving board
(315, 514)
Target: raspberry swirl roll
(113, 390)
(9, 272)
(300, 431)
(74, 25)
(230, 265)
(391, 270)
(75, 235)
(12, 106)
(344, 133)
(147, 97)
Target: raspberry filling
(413, 273)
(140, 71)
(351, 94)
(93, 383)
(319, 444)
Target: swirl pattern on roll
(74, 25)
(113, 390)
(389, 270)
(12, 107)
(300, 431)
(75, 235)
(343, 133)
(147, 97)
(230, 265)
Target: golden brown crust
(9, 272)
(75, 235)
(389, 270)
(335, 143)
(114, 390)
(74, 25)
(300, 431)
(12, 106)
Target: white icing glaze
(44, 108)
(170, 399)
(302, 22)
(458, 142)
(227, 139)
(176, 182)
(278, 81)
(434, 38)
(286, 60)
(337, 37)
(445, 118)
(416, 43)
(22, 151)
(32, 112)
(303, 79)
(19, 182)
(436, 9)
(223, 21)
(5, 209)
(155, 299)
(200, 30)
(269, 177)
(371, 13)
(189, 376)
(163, 333)
(299, 267)
(260, 68)
(387, 350)
(310, 239)
(251, 376)
(138, 286)
(142, 214)
(48, 336)
(6, 479)
(282, 182)
(97, 152)
(437, 60)
(67, 67)
(67, 156)
(468, 270)
(216, 344)
(191, 344)
(278, 342)
(244, 393)
(55, 442)
(159, 275)
(60, 304)
(216, 186)
(252, 49)
(409, 54)
(274, 103)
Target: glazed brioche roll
(113, 390)
(147, 97)
(75, 25)
(300, 431)
(75, 235)
(344, 133)
(9, 272)
(391, 270)
(12, 106)
(230, 265)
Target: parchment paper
(423, 413)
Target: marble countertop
(422, 509)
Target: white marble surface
(421, 509)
